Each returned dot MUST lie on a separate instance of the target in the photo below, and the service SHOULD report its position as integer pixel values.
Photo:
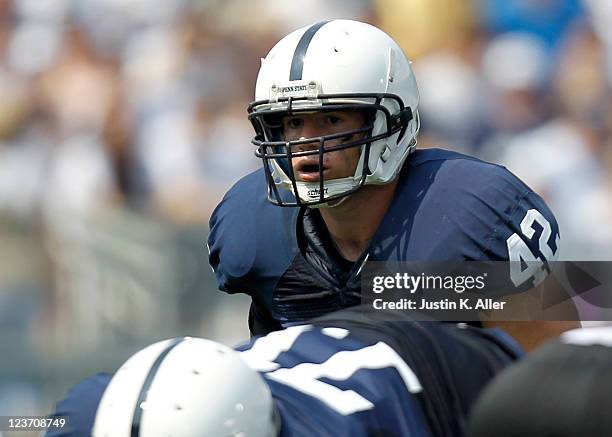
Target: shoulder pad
(451, 206)
(251, 241)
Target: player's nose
(310, 129)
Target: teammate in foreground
(336, 121)
(343, 375)
(564, 389)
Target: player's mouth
(309, 171)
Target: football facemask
(279, 154)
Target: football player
(342, 375)
(336, 121)
(563, 389)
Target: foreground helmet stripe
(297, 63)
(147, 385)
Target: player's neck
(353, 223)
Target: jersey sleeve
(528, 231)
(251, 242)
(471, 210)
(507, 221)
(230, 244)
(500, 216)
(519, 228)
(497, 216)
(455, 207)
(80, 406)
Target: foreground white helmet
(330, 66)
(186, 387)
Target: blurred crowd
(137, 109)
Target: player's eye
(332, 119)
(294, 123)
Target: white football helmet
(329, 66)
(186, 387)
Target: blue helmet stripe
(297, 63)
(147, 385)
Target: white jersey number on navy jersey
(305, 377)
(521, 255)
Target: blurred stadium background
(123, 122)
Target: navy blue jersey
(447, 206)
(346, 376)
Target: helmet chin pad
(333, 190)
